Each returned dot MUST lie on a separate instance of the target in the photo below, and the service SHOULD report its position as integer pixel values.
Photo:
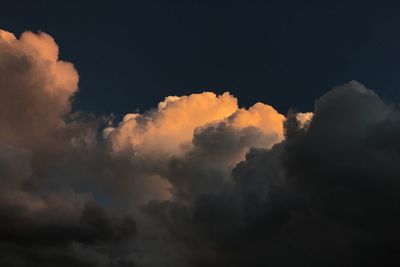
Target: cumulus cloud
(196, 181)
(171, 124)
(45, 223)
(36, 89)
(325, 196)
(196, 139)
(170, 127)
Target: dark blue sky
(130, 54)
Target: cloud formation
(169, 128)
(326, 196)
(36, 88)
(196, 181)
(44, 223)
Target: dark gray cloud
(326, 196)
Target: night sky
(130, 54)
(199, 134)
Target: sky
(199, 134)
(130, 54)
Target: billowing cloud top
(36, 88)
(173, 123)
(196, 181)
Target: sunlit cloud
(197, 180)
(170, 127)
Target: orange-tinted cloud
(261, 116)
(171, 126)
(172, 123)
(35, 88)
(304, 118)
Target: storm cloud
(196, 181)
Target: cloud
(196, 139)
(36, 88)
(170, 127)
(45, 221)
(326, 195)
(196, 181)
(171, 124)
